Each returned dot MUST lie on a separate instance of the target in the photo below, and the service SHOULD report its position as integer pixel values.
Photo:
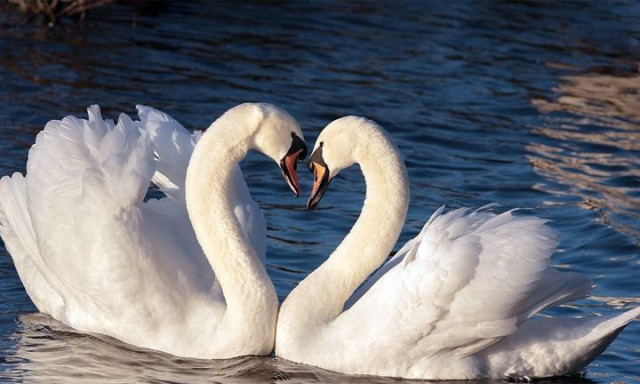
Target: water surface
(534, 104)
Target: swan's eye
(321, 144)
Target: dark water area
(529, 104)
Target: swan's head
(278, 136)
(338, 147)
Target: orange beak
(289, 163)
(320, 183)
(289, 166)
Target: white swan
(453, 303)
(92, 254)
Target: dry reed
(55, 9)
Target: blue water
(535, 104)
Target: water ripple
(530, 104)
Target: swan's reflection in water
(47, 351)
(593, 149)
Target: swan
(93, 254)
(454, 303)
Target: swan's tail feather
(19, 238)
(606, 329)
(557, 346)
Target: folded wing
(468, 280)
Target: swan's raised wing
(20, 240)
(113, 259)
(173, 145)
(82, 175)
(465, 282)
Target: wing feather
(20, 240)
(173, 145)
(88, 248)
(85, 179)
(432, 294)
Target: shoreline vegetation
(54, 10)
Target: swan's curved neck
(320, 297)
(243, 278)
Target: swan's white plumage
(94, 255)
(173, 145)
(465, 283)
(19, 238)
(89, 177)
(454, 303)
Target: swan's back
(468, 281)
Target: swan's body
(454, 303)
(92, 254)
